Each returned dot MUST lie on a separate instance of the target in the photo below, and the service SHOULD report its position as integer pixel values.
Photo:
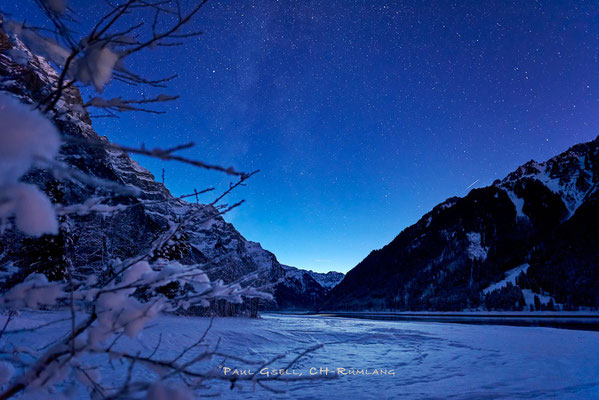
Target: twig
(9, 318)
(163, 154)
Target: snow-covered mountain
(327, 280)
(543, 215)
(305, 289)
(91, 241)
(570, 175)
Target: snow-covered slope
(510, 277)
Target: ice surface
(429, 360)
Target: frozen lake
(583, 320)
(428, 360)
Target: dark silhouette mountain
(541, 222)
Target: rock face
(543, 214)
(89, 242)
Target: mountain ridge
(464, 244)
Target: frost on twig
(91, 205)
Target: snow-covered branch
(96, 57)
(163, 154)
(118, 104)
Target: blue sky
(362, 115)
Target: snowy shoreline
(479, 313)
(578, 320)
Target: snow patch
(447, 204)
(518, 203)
(476, 251)
(38, 44)
(207, 225)
(529, 298)
(562, 175)
(510, 276)
(529, 295)
(428, 221)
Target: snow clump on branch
(25, 136)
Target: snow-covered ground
(428, 360)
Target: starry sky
(362, 115)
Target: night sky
(362, 115)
